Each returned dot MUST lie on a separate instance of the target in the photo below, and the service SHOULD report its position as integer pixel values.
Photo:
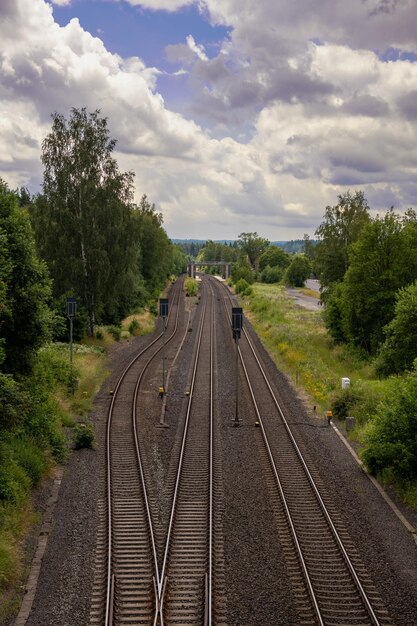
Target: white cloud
(198, 50)
(156, 5)
(296, 122)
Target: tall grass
(299, 344)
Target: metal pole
(163, 356)
(72, 379)
(236, 422)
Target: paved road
(308, 302)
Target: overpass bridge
(194, 265)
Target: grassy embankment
(30, 458)
(297, 340)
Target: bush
(14, 482)
(298, 271)
(271, 274)
(242, 270)
(343, 403)
(191, 286)
(241, 286)
(391, 441)
(30, 458)
(115, 331)
(84, 436)
(134, 327)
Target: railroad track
(331, 585)
(126, 558)
(133, 584)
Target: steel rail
(110, 582)
(323, 507)
(163, 577)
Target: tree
(25, 288)
(392, 441)
(242, 270)
(399, 349)
(179, 260)
(83, 222)
(381, 262)
(252, 246)
(271, 274)
(274, 257)
(155, 248)
(340, 228)
(298, 271)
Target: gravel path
(258, 588)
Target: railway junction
(181, 518)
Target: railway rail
(330, 583)
(178, 579)
(141, 587)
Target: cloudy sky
(235, 115)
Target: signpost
(237, 325)
(163, 312)
(71, 312)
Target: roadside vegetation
(365, 330)
(82, 237)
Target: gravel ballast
(257, 585)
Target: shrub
(84, 436)
(14, 482)
(271, 274)
(298, 271)
(30, 458)
(191, 286)
(391, 442)
(242, 270)
(115, 331)
(134, 327)
(241, 285)
(99, 333)
(343, 402)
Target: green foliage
(14, 482)
(214, 251)
(30, 458)
(115, 331)
(84, 436)
(24, 288)
(274, 257)
(155, 249)
(392, 440)
(343, 403)
(242, 287)
(134, 327)
(298, 271)
(14, 403)
(253, 247)
(242, 270)
(333, 312)
(179, 261)
(191, 286)
(84, 221)
(382, 260)
(341, 226)
(271, 274)
(399, 349)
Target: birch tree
(83, 220)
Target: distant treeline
(192, 247)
